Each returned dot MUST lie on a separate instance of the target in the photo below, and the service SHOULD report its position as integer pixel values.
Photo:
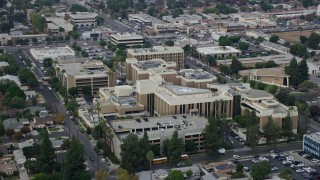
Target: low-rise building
(59, 22)
(183, 19)
(145, 18)
(190, 128)
(41, 122)
(4, 38)
(84, 18)
(311, 144)
(91, 35)
(217, 52)
(11, 78)
(272, 76)
(40, 54)
(8, 167)
(3, 64)
(126, 39)
(166, 53)
(12, 123)
(275, 47)
(93, 74)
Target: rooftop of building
(181, 90)
(60, 21)
(253, 93)
(315, 136)
(196, 74)
(154, 63)
(126, 36)
(3, 64)
(278, 59)
(156, 49)
(217, 50)
(147, 18)
(11, 78)
(84, 68)
(80, 15)
(119, 95)
(160, 126)
(41, 53)
(274, 46)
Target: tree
(252, 130)
(243, 46)
(38, 21)
(212, 135)
(2, 130)
(101, 175)
(86, 90)
(303, 71)
(176, 175)
(78, 8)
(102, 43)
(260, 170)
(272, 132)
(46, 159)
(299, 50)
(224, 41)
(303, 39)
(235, 66)
(189, 173)
(190, 146)
(25, 130)
(169, 43)
(234, 39)
(47, 62)
(18, 135)
(61, 29)
(150, 156)
(313, 41)
(293, 70)
(34, 40)
(274, 38)
(286, 174)
(75, 159)
(130, 153)
(287, 128)
(73, 91)
(174, 148)
(58, 118)
(72, 105)
(212, 61)
(123, 174)
(10, 132)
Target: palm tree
(90, 110)
(98, 108)
(150, 156)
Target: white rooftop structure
(53, 52)
(61, 22)
(3, 64)
(83, 15)
(145, 18)
(217, 50)
(12, 78)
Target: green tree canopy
(243, 46)
(274, 38)
(260, 170)
(38, 21)
(174, 148)
(212, 136)
(287, 128)
(235, 66)
(78, 8)
(272, 132)
(46, 159)
(176, 175)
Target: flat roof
(52, 52)
(253, 93)
(147, 18)
(156, 50)
(194, 124)
(154, 63)
(315, 136)
(217, 50)
(85, 68)
(196, 74)
(61, 22)
(85, 15)
(181, 90)
(126, 36)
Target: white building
(218, 52)
(59, 22)
(84, 18)
(318, 10)
(91, 35)
(12, 78)
(40, 54)
(146, 19)
(126, 39)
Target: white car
(286, 162)
(273, 155)
(293, 166)
(274, 169)
(315, 161)
(235, 156)
(299, 170)
(103, 160)
(290, 158)
(300, 165)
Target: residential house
(41, 122)
(7, 166)
(30, 95)
(12, 123)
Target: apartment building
(265, 106)
(311, 143)
(190, 128)
(118, 101)
(217, 52)
(86, 73)
(166, 53)
(271, 76)
(84, 18)
(126, 39)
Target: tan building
(190, 128)
(166, 53)
(118, 101)
(272, 76)
(93, 74)
(137, 70)
(126, 39)
(217, 52)
(266, 106)
(164, 99)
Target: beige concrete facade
(166, 53)
(272, 76)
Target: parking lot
(301, 168)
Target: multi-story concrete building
(91, 35)
(126, 39)
(84, 18)
(311, 143)
(190, 128)
(118, 101)
(40, 54)
(93, 74)
(265, 106)
(272, 76)
(217, 52)
(166, 53)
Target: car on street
(300, 170)
(235, 156)
(274, 168)
(315, 161)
